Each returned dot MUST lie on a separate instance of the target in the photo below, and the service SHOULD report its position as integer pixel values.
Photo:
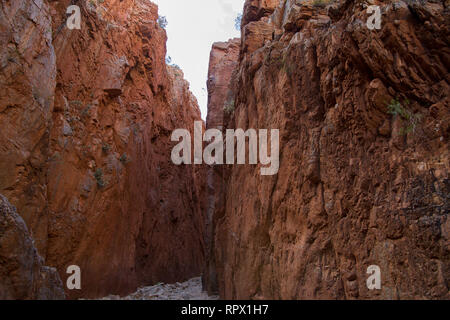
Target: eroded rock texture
(22, 272)
(357, 185)
(224, 60)
(28, 80)
(86, 118)
(254, 10)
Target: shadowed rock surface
(223, 62)
(23, 274)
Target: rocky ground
(189, 290)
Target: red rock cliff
(86, 118)
(222, 68)
(223, 62)
(360, 183)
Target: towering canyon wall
(222, 66)
(359, 183)
(86, 118)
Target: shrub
(106, 147)
(229, 107)
(238, 22)
(85, 111)
(170, 63)
(412, 119)
(99, 177)
(76, 103)
(162, 21)
(124, 158)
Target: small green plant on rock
(162, 21)
(98, 175)
(238, 22)
(229, 107)
(85, 111)
(411, 119)
(124, 158)
(76, 103)
(106, 148)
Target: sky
(193, 27)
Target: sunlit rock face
(86, 118)
(359, 184)
(223, 62)
(254, 10)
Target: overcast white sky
(193, 27)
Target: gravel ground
(189, 290)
